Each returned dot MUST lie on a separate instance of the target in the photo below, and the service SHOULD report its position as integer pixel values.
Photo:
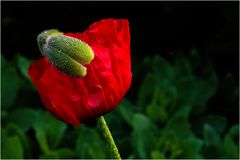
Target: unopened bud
(67, 54)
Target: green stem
(108, 137)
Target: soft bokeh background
(184, 98)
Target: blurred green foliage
(168, 119)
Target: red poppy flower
(74, 99)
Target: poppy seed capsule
(42, 37)
(67, 54)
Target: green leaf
(9, 84)
(12, 148)
(126, 110)
(169, 144)
(191, 147)
(146, 93)
(157, 86)
(23, 64)
(13, 130)
(143, 136)
(231, 142)
(63, 153)
(166, 96)
(179, 123)
(23, 118)
(157, 155)
(212, 143)
(179, 142)
(195, 87)
(211, 137)
(217, 122)
(157, 113)
(163, 69)
(49, 130)
(195, 91)
(42, 141)
(90, 144)
(177, 139)
(229, 94)
(3, 61)
(182, 65)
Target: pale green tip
(67, 54)
(42, 37)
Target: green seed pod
(65, 63)
(42, 37)
(74, 48)
(67, 54)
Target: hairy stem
(108, 137)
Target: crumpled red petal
(108, 77)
